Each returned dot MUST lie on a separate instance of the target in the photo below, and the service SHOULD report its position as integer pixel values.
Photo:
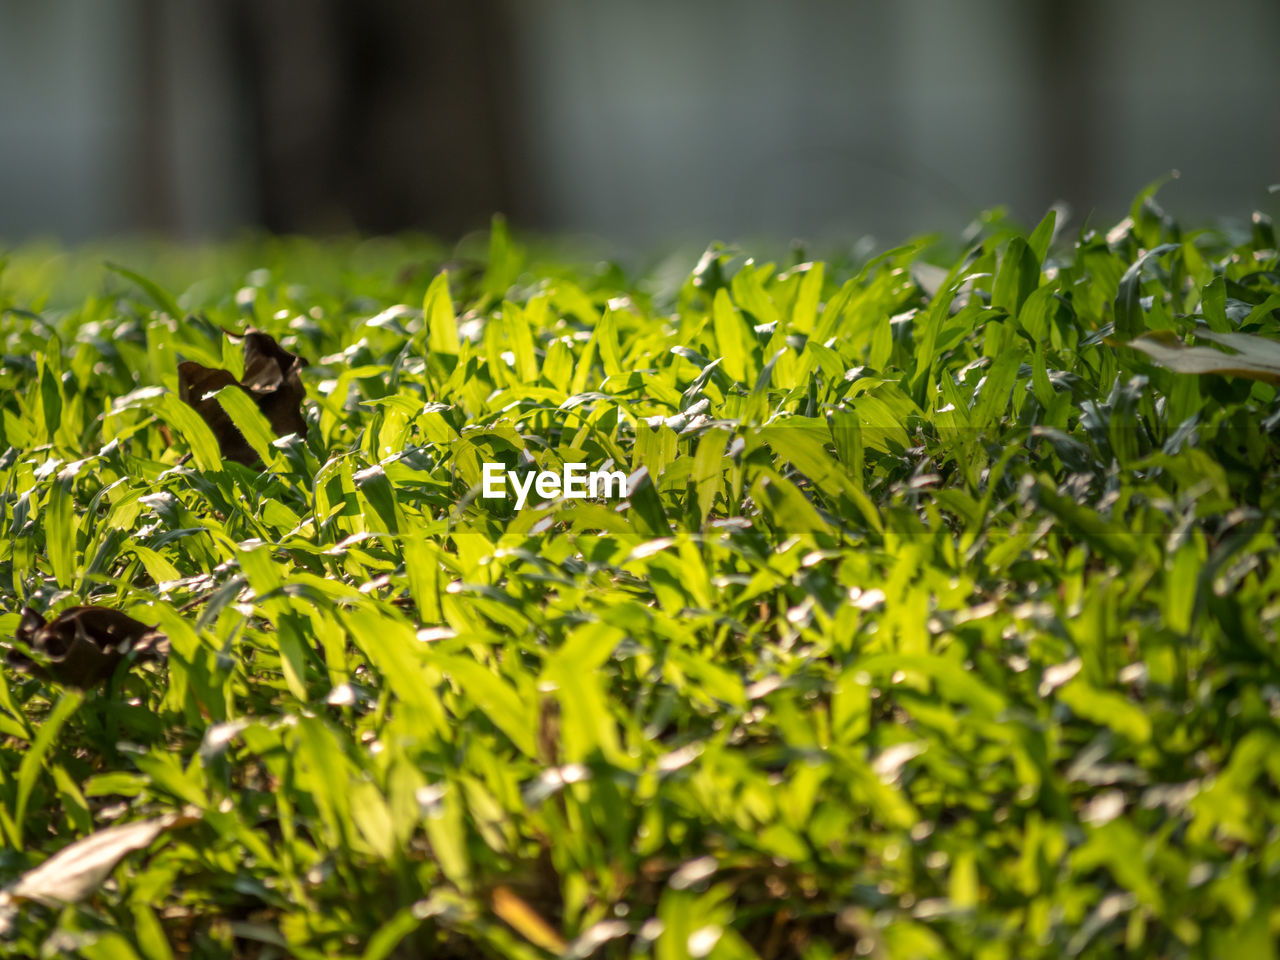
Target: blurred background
(634, 122)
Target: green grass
(940, 622)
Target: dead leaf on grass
(1257, 358)
(271, 378)
(77, 870)
(82, 646)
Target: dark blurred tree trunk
(377, 116)
(151, 183)
(1070, 118)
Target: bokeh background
(635, 122)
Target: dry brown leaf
(526, 921)
(271, 378)
(82, 646)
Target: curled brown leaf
(271, 377)
(82, 646)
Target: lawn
(939, 620)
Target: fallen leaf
(77, 870)
(1258, 358)
(82, 646)
(526, 921)
(271, 378)
(272, 375)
